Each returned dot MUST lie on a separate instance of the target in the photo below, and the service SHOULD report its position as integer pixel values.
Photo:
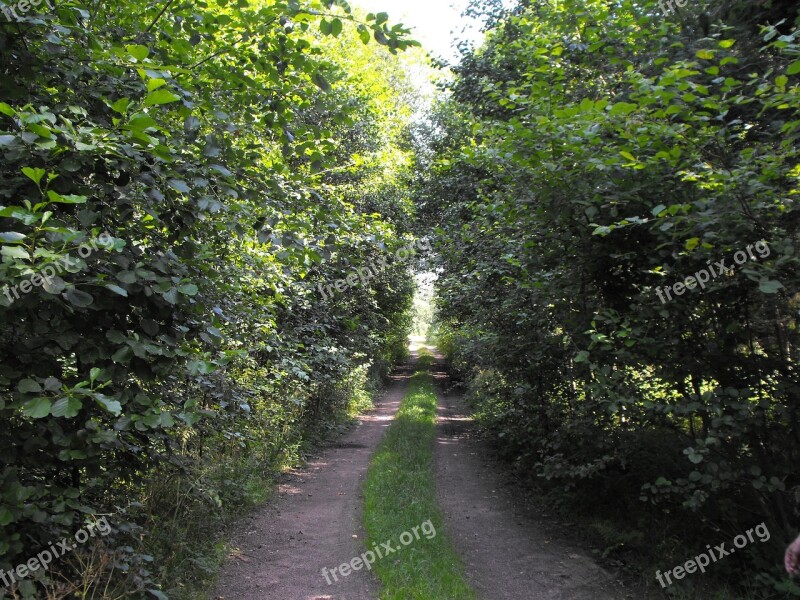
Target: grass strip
(400, 496)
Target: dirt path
(314, 522)
(507, 553)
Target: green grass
(399, 496)
(426, 360)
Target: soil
(511, 547)
(507, 552)
(315, 522)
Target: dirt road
(314, 522)
(507, 553)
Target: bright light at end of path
(436, 24)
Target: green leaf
(138, 52)
(201, 367)
(6, 517)
(27, 386)
(34, 175)
(5, 140)
(188, 289)
(191, 124)
(794, 68)
(149, 326)
(171, 296)
(325, 27)
(363, 33)
(78, 298)
(11, 237)
(381, 38)
(54, 285)
(768, 286)
(121, 105)
(15, 252)
(52, 384)
(336, 27)
(108, 404)
(692, 243)
(628, 155)
(117, 290)
(66, 407)
(622, 108)
(40, 130)
(66, 198)
(116, 337)
(705, 54)
(142, 122)
(123, 355)
(154, 84)
(38, 408)
(658, 210)
(126, 277)
(321, 82)
(160, 96)
(222, 170)
(726, 43)
(179, 185)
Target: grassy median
(401, 509)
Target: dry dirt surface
(315, 522)
(507, 553)
(509, 550)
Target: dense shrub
(593, 153)
(223, 160)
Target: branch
(163, 10)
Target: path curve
(315, 522)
